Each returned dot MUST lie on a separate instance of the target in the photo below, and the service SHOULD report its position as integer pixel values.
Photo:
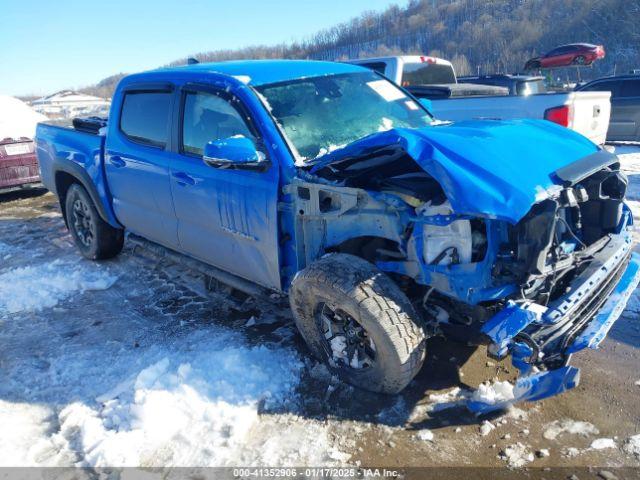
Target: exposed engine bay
(461, 269)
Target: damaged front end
(533, 260)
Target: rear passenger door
(137, 163)
(226, 217)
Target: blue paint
(533, 387)
(599, 327)
(507, 323)
(261, 72)
(481, 165)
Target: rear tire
(534, 65)
(95, 238)
(345, 296)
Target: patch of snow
(17, 119)
(517, 455)
(571, 452)
(34, 288)
(425, 435)
(602, 443)
(197, 408)
(632, 445)
(328, 149)
(338, 347)
(442, 401)
(543, 452)
(572, 427)
(486, 428)
(493, 394)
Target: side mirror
(426, 103)
(235, 153)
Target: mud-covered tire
(95, 238)
(358, 288)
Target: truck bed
(591, 110)
(65, 149)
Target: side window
(145, 117)
(630, 88)
(603, 87)
(209, 117)
(375, 66)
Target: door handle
(117, 161)
(184, 179)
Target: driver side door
(226, 217)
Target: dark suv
(625, 105)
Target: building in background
(67, 104)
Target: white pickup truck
(585, 112)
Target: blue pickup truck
(328, 182)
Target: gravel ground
(134, 362)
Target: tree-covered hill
(486, 36)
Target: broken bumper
(540, 337)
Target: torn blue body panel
(484, 175)
(507, 324)
(533, 387)
(599, 327)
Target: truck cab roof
(254, 72)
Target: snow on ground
(89, 379)
(603, 443)
(632, 445)
(517, 455)
(34, 288)
(567, 426)
(493, 393)
(198, 406)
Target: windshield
(321, 114)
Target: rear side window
(427, 74)
(630, 88)
(145, 117)
(611, 86)
(375, 66)
(531, 88)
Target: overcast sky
(49, 45)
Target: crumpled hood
(495, 169)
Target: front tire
(95, 238)
(357, 321)
(579, 60)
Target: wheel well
(63, 181)
(369, 248)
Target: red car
(18, 163)
(572, 54)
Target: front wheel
(579, 60)
(95, 238)
(356, 319)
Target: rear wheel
(95, 238)
(354, 318)
(533, 65)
